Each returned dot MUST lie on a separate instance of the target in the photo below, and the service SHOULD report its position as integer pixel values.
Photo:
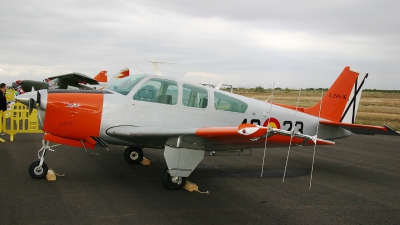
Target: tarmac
(356, 181)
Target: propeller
(38, 99)
(31, 105)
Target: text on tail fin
(339, 97)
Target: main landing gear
(172, 182)
(38, 169)
(133, 155)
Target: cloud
(252, 42)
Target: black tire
(172, 183)
(37, 172)
(133, 155)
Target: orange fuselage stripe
(230, 135)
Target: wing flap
(362, 129)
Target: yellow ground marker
(145, 162)
(52, 175)
(189, 186)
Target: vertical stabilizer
(102, 76)
(121, 74)
(340, 102)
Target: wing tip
(391, 131)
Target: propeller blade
(31, 105)
(38, 98)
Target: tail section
(340, 103)
(121, 74)
(102, 76)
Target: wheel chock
(1, 140)
(189, 186)
(145, 162)
(51, 176)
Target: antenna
(220, 84)
(291, 136)
(156, 66)
(268, 127)
(315, 140)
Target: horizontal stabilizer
(362, 129)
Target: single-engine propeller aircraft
(75, 80)
(186, 119)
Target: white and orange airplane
(186, 119)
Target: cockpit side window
(228, 103)
(158, 91)
(194, 96)
(125, 85)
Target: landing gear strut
(171, 182)
(133, 155)
(38, 169)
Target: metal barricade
(17, 120)
(1, 125)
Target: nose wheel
(133, 155)
(172, 182)
(38, 169)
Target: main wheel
(36, 171)
(171, 182)
(133, 155)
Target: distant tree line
(261, 89)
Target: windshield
(124, 85)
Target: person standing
(3, 100)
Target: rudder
(340, 102)
(101, 77)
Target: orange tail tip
(123, 73)
(338, 97)
(102, 76)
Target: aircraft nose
(24, 98)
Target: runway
(357, 181)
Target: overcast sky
(296, 44)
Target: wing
(362, 129)
(212, 138)
(73, 79)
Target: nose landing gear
(38, 169)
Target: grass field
(376, 107)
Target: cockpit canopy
(125, 85)
(164, 91)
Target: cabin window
(158, 91)
(125, 85)
(194, 96)
(228, 103)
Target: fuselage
(154, 101)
